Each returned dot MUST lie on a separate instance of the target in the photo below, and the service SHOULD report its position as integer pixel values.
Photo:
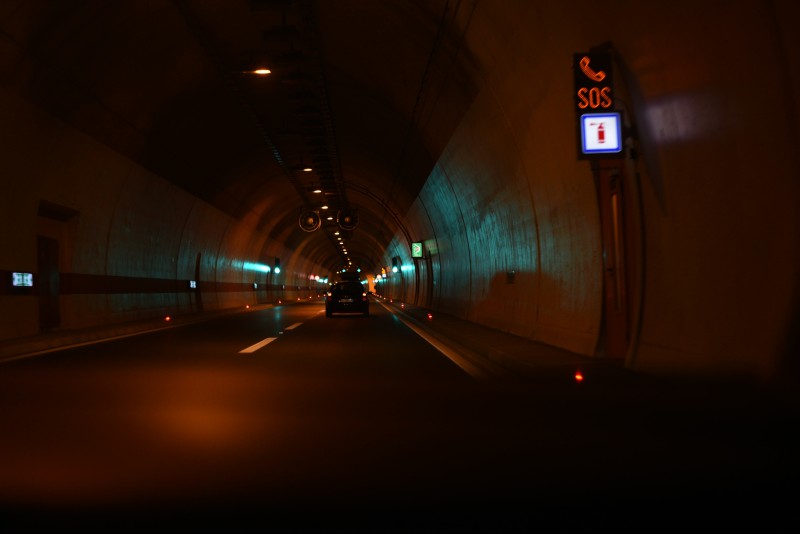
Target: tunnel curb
(501, 355)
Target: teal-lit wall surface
(713, 203)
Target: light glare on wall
(260, 267)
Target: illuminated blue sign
(22, 279)
(601, 133)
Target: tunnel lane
(359, 415)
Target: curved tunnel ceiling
(364, 93)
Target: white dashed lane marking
(260, 344)
(264, 342)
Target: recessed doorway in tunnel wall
(48, 283)
(424, 293)
(56, 226)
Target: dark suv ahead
(346, 297)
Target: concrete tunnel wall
(714, 265)
(135, 231)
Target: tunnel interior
(555, 326)
(145, 149)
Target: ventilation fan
(310, 221)
(347, 219)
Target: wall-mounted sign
(416, 250)
(22, 279)
(601, 133)
(599, 127)
(593, 82)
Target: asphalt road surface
(281, 418)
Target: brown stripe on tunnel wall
(99, 284)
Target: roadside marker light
(578, 376)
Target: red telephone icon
(592, 75)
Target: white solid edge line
(292, 327)
(468, 367)
(260, 344)
(86, 343)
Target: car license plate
(346, 300)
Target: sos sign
(593, 83)
(599, 127)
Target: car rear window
(349, 287)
